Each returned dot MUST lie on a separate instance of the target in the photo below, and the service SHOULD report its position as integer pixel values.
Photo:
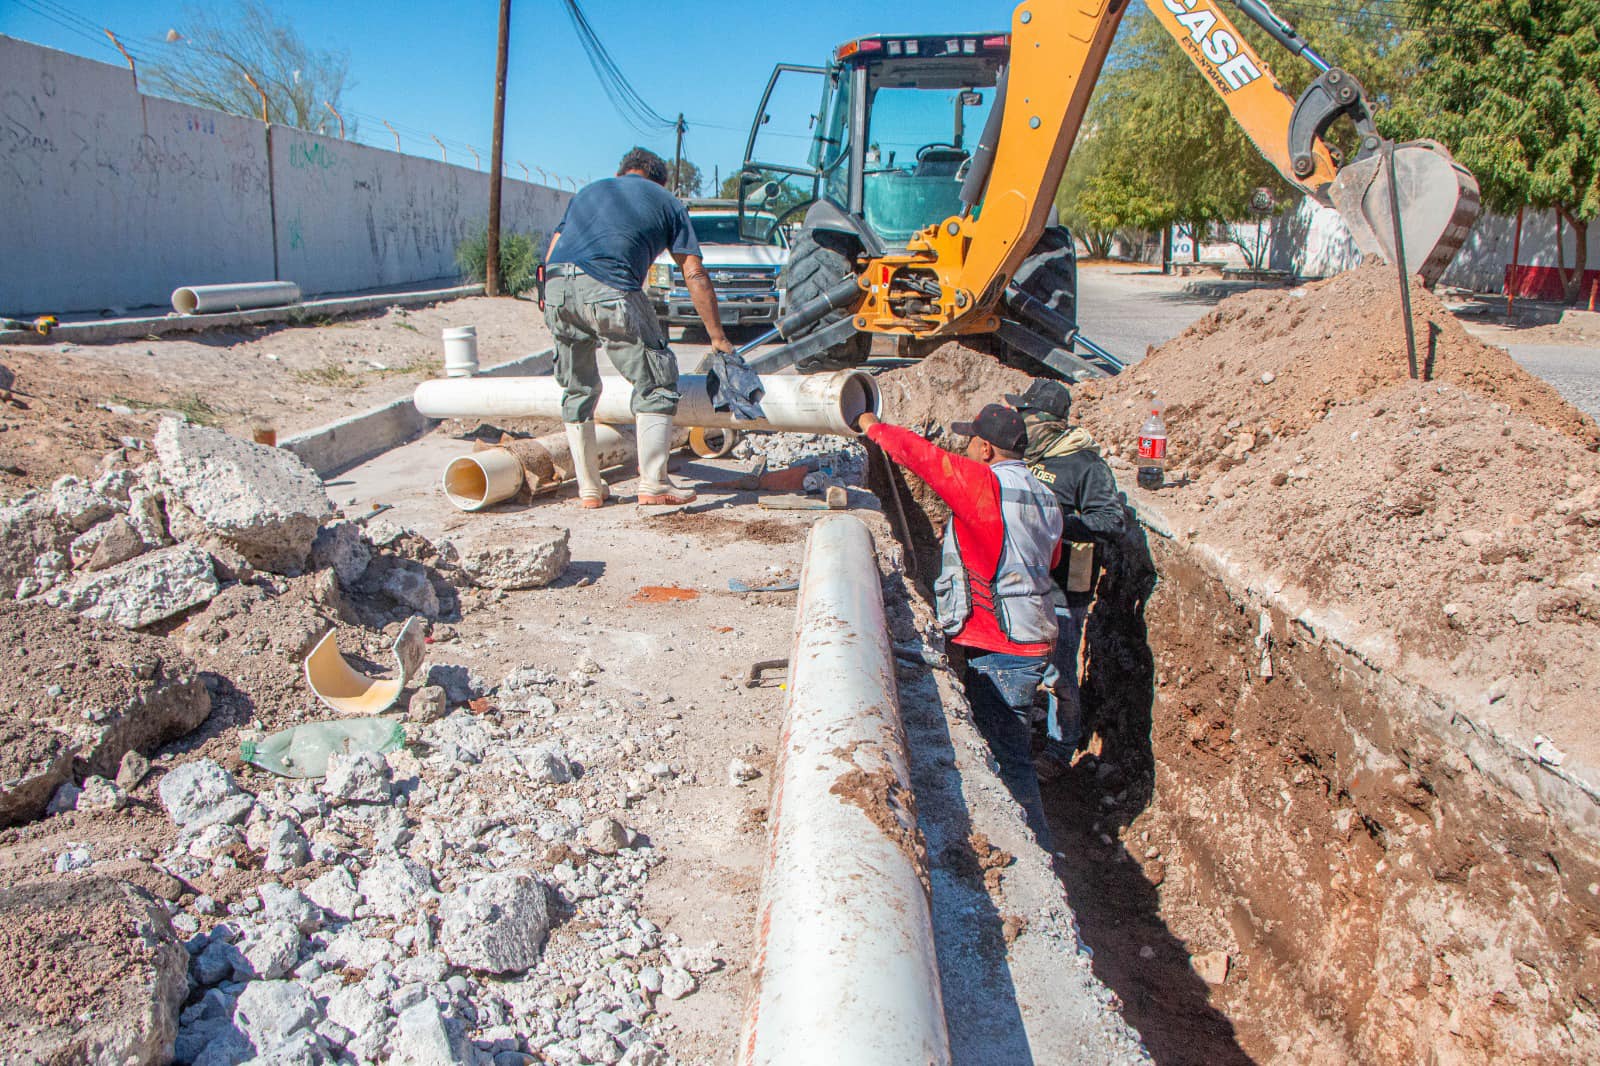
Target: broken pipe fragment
(347, 690)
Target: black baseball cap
(1045, 395)
(997, 424)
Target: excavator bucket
(1438, 205)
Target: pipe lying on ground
(814, 403)
(546, 464)
(473, 482)
(844, 970)
(206, 299)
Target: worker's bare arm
(704, 296)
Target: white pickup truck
(743, 271)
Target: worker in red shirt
(993, 593)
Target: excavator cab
(862, 155)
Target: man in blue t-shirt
(594, 291)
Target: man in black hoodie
(1068, 462)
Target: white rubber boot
(653, 437)
(592, 490)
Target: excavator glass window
(919, 146)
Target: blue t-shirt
(614, 229)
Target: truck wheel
(818, 260)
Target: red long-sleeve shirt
(972, 492)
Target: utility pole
(491, 267)
(677, 159)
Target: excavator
(908, 233)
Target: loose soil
(1453, 524)
(1454, 520)
(73, 403)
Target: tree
(1162, 148)
(1511, 89)
(690, 180)
(218, 53)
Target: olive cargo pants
(581, 312)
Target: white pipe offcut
(207, 299)
(844, 971)
(813, 403)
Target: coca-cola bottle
(1153, 450)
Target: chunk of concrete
(359, 777)
(336, 893)
(341, 548)
(148, 519)
(263, 502)
(77, 721)
(425, 1038)
(141, 591)
(77, 503)
(495, 925)
(107, 544)
(270, 1013)
(118, 973)
(28, 529)
(393, 886)
(534, 560)
(202, 793)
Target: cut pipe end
(473, 482)
(184, 301)
(858, 394)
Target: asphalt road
(1129, 309)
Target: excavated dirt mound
(1456, 520)
(1452, 527)
(1272, 363)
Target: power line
(624, 97)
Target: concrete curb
(122, 329)
(338, 446)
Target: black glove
(733, 386)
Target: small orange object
(481, 705)
(663, 594)
(265, 435)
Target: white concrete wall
(113, 199)
(350, 216)
(1481, 263)
(109, 198)
(1314, 242)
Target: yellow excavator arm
(952, 275)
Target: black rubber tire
(818, 260)
(1050, 275)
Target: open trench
(1279, 854)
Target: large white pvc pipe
(204, 299)
(813, 403)
(844, 971)
(473, 482)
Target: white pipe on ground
(844, 970)
(206, 299)
(473, 482)
(813, 403)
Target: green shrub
(520, 255)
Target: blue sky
(429, 67)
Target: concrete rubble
(425, 937)
(263, 502)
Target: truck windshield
(724, 229)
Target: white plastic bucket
(473, 482)
(460, 351)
